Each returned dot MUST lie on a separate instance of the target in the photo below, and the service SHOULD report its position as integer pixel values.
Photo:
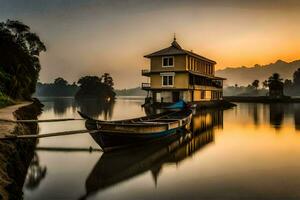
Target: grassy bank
(5, 100)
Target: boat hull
(121, 134)
(111, 141)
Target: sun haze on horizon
(93, 37)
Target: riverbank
(261, 99)
(15, 156)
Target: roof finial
(174, 36)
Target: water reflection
(297, 117)
(95, 108)
(92, 107)
(60, 105)
(35, 174)
(251, 156)
(276, 115)
(115, 167)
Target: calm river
(249, 152)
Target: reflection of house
(115, 167)
(176, 74)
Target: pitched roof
(176, 49)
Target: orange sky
(93, 37)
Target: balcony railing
(145, 72)
(146, 86)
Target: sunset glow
(91, 37)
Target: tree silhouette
(107, 79)
(60, 81)
(255, 84)
(275, 85)
(265, 84)
(19, 59)
(296, 77)
(95, 87)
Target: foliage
(293, 87)
(244, 91)
(5, 100)
(296, 77)
(274, 82)
(255, 84)
(96, 87)
(275, 85)
(59, 88)
(19, 59)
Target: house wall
(179, 64)
(181, 80)
(200, 66)
(167, 96)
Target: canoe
(112, 135)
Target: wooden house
(178, 74)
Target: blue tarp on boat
(178, 105)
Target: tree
(255, 84)
(288, 83)
(296, 77)
(265, 84)
(95, 87)
(19, 59)
(275, 78)
(275, 85)
(60, 81)
(107, 79)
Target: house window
(168, 61)
(167, 80)
(202, 94)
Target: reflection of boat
(112, 135)
(118, 166)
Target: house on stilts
(178, 74)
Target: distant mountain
(246, 75)
(131, 92)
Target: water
(249, 152)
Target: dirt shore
(15, 156)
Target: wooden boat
(113, 135)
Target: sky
(89, 37)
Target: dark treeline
(19, 60)
(59, 88)
(86, 87)
(292, 87)
(289, 87)
(131, 92)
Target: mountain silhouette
(245, 75)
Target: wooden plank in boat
(133, 123)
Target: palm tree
(275, 85)
(265, 84)
(255, 84)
